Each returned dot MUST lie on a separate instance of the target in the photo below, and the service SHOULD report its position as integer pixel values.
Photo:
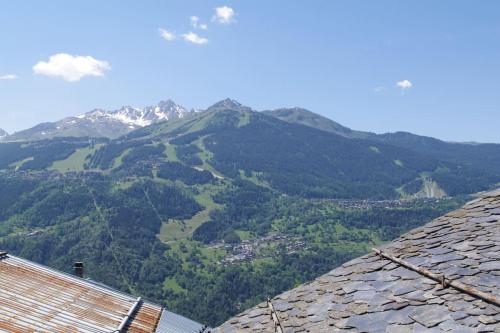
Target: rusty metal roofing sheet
(34, 298)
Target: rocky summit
(103, 123)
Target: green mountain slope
(230, 140)
(481, 156)
(485, 157)
(163, 210)
(131, 234)
(311, 119)
(304, 161)
(45, 131)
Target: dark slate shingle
(370, 294)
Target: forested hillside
(211, 214)
(141, 237)
(481, 156)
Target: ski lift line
(108, 229)
(148, 198)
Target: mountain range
(484, 156)
(102, 123)
(161, 210)
(305, 117)
(292, 150)
(3, 134)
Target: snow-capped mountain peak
(103, 123)
(138, 117)
(3, 134)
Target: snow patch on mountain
(137, 117)
(103, 123)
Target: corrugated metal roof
(174, 323)
(34, 298)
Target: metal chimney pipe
(78, 268)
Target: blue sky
(341, 59)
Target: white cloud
(405, 84)
(224, 15)
(167, 35)
(195, 23)
(191, 37)
(8, 77)
(379, 89)
(71, 68)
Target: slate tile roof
(374, 294)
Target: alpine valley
(209, 212)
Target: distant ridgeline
(291, 150)
(161, 210)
